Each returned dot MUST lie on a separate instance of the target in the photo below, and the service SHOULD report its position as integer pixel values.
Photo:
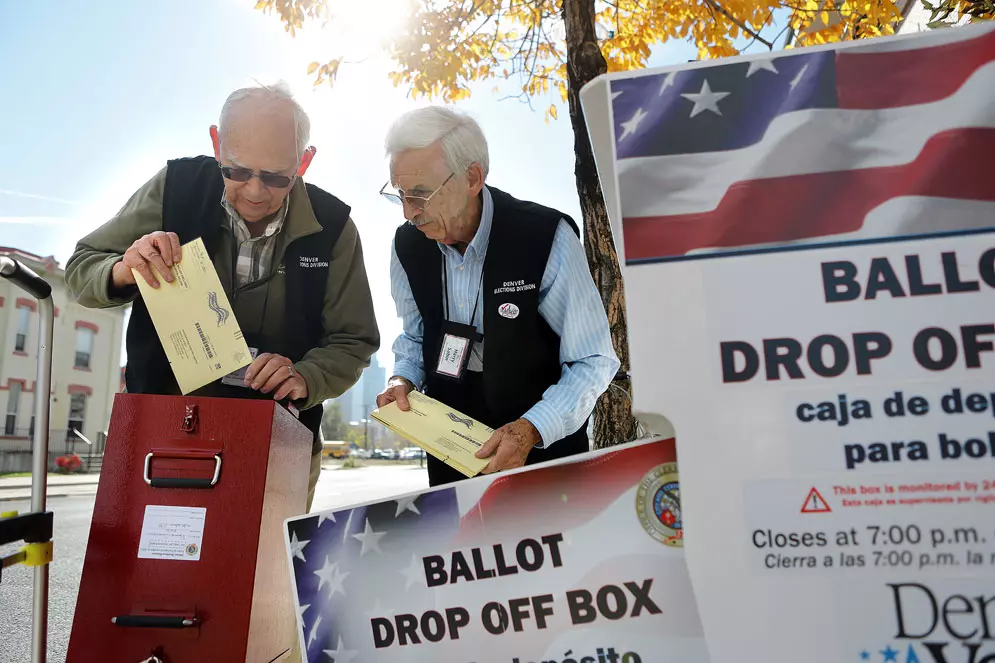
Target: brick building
(86, 366)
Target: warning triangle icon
(814, 503)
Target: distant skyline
(100, 95)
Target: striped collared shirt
(255, 254)
(568, 300)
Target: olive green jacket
(351, 333)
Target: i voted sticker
(508, 310)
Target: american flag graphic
(352, 565)
(347, 573)
(890, 138)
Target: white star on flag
(413, 573)
(297, 547)
(706, 100)
(330, 573)
(630, 127)
(369, 539)
(301, 609)
(406, 504)
(314, 632)
(322, 518)
(340, 654)
(798, 78)
(378, 610)
(760, 65)
(616, 95)
(337, 583)
(667, 82)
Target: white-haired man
(287, 253)
(501, 317)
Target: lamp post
(366, 425)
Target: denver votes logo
(460, 420)
(508, 310)
(658, 505)
(219, 310)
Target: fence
(15, 450)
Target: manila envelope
(195, 321)
(447, 434)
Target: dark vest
(521, 354)
(191, 208)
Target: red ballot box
(186, 559)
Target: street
(336, 488)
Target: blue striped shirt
(568, 301)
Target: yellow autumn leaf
(448, 45)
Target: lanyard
(445, 285)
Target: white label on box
(172, 532)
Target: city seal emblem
(658, 505)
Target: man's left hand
(509, 446)
(275, 373)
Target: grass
(14, 475)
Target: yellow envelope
(195, 322)
(447, 434)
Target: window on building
(13, 404)
(84, 347)
(23, 320)
(77, 412)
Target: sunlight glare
(366, 25)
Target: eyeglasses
(418, 202)
(244, 175)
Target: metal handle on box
(181, 482)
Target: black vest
(191, 208)
(521, 354)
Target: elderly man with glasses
(501, 317)
(287, 253)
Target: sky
(97, 96)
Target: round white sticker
(508, 310)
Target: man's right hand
(397, 390)
(159, 249)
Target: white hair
(278, 93)
(461, 138)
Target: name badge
(457, 346)
(237, 378)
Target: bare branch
(742, 26)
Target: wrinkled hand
(272, 372)
(509, 446)
(397, 390)
(160, 250)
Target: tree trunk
(613, 420)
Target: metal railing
(16, 449)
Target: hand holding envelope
(450, 436)
(195, 322)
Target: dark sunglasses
(244, 175)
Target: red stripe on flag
(953, 164)
(904, 78)
(562, 497)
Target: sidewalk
(59, 485)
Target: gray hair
(277, 93)
(462, 140)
